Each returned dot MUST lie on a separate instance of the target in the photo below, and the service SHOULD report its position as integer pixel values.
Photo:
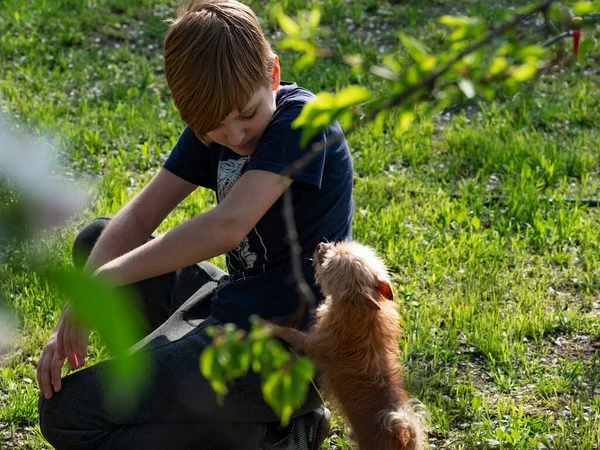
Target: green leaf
(345, 118)
(223, 355)
(476, 222)
(244, 357)
(476, 402)
(415, 47)
(531, 51)
(113, 313)
(286, 23)
(271, 389)
(207, 361)
(305, 368)
(458, 35)
(412, 76)
(315, 17)
(287, 398)
(584, 48)
(392, 63)
(351, 96)
(467, 87)
(325, 108)
(213, 371)
(523, 72)
(257, 350)
(581, 8)
(514, 436)
(404, 122)
(499, 65)
(297, 44)
(488, 92)
(428, 63)
(305, 62)
(380, 122)
(459, 21)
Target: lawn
(500, 296)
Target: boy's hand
(271, 329)
(72, 340)
(68, 340)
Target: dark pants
(178, 409)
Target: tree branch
(429, 81)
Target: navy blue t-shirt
(260, 279)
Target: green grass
(499, 298)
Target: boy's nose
(236, 137)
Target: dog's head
(352, 272)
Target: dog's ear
(385, 289)
(370, 303)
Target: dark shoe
(306, 432)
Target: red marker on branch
(576, 33)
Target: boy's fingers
(55, 374)
(67, 339)
(60, 341)
(73, 362)
(74, 337)
(69, 344)
(82, 340)
(39, 372)
(46, 387)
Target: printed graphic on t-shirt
(243, 254)
(229, 173)
(242, 257)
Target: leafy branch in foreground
(285, 379)
(466, 69)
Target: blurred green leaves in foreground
(32, 201)
(113, 314)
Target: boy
(225, 81)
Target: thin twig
(306, 294)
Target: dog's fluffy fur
(354, 344)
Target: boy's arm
(136, 221)
(202, 237)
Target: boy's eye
(250, 116)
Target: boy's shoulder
(290, 95)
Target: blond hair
(216, 57)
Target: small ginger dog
(354, 344)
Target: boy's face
(241, 130)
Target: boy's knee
(49, 420)
(63, 427)
(86, 239)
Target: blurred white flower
(48, 200)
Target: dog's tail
(409, 423)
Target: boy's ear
(275, 73)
